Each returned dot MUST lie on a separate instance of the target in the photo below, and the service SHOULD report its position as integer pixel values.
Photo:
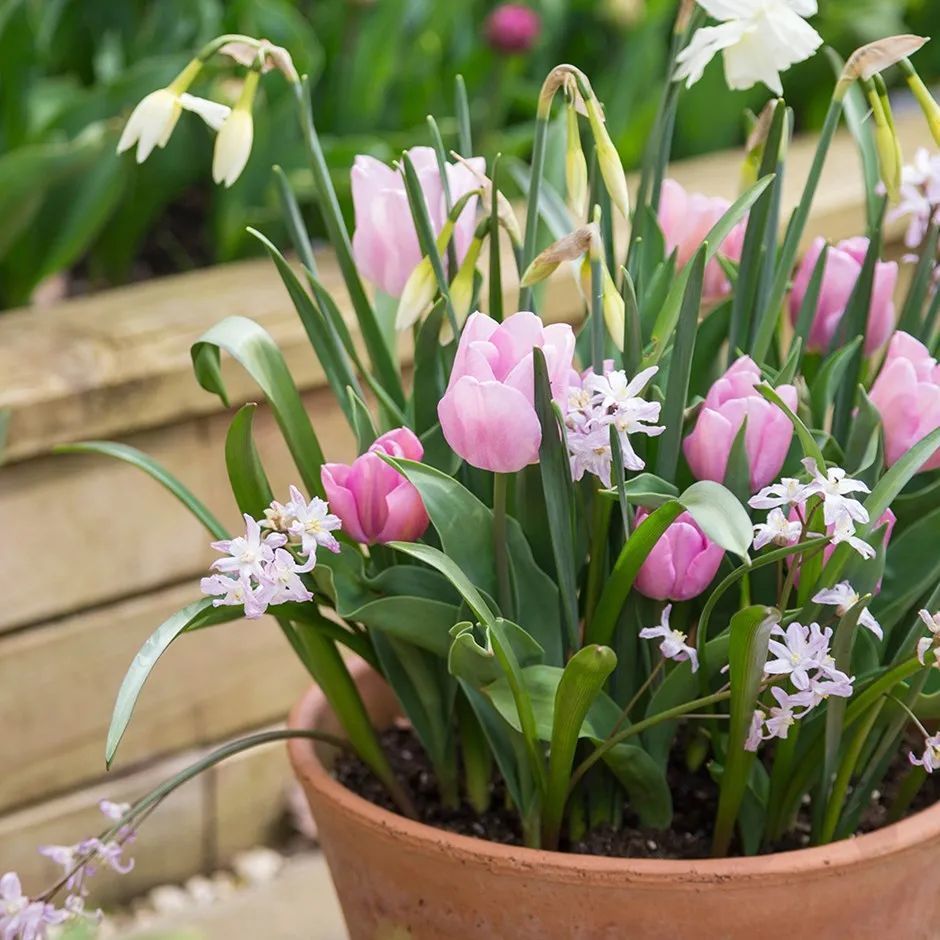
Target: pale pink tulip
(375, 502)
(843, 266)
(907, 395)
(682, 563)
(385, 243)
(730, 400)
(685, 219)
(487, 413)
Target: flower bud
(568, 248)
(576, 174)
(512, 28)
(875, 57)
(461, 288)
(614, 308)
(927, 102)
(887, 145)
(608, 159)
(233, 144)
(421, 285)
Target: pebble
(258, 866)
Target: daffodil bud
(576, 175)
(875, 57)
(461, 288)
(886, 141)
(568, 248)
(754, 146)
(614, 308)
(421, 286)
(928, 104)
(233, 144)
(607, 158)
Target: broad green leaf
(864, 435)
(245, 472)
(476, 663)
(362, 424)
(420, 621)
(580, 684)
(747, 653)
(447, 567)
(898, 476)
(910, 318)
(719, 514)
(600, 630)
(299, 236)
(252, 346)
(559, 496)
(633, 330)
(200, 613)
(155, 470)
(429, 378)
(680, 365)
(706, 360)
(738, 471)
(810, 303)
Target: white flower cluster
(803, 656)
(840, 511)
(257, 570)
(603, 402)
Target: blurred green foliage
(71, 70)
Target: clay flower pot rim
(861, 850)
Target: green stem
(500, 548)
(600, 523)
(530, 244)
(676, 711)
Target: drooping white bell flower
(151, 123)
(758, 39)
(236, 135)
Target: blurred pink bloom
(512, 27)
(682, 563)
(729, 401)
(685, 219)
(920, 196)
(843, 266)
(487, 413)
(907, 394)
(375, 502)
(385, 244)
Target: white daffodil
(233, 145)
(152, 122)
(758, 39)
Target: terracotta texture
(401, 880)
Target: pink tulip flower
(375, 502)
(907, 395)
(385, 243)
(487, 413)
(843, 266)
(512, 28)
(682, 563)
(729, 401)
(685, 219)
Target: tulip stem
(504, 589)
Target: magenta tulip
(682, 563)
(729, 401)
(907, 395)
(375, 502)
(843, 266)
(385, 243)
(487, 413)
(685, 219)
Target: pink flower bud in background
(685, 219)
(487, 413)
(682, 563)
(512, 27)
(907, 395)
(729, 401)
(375, 502)
(843, 266)
(385, 243)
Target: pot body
(401, 880)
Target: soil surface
(695, 799)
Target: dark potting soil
(695, 800)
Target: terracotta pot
(401, 880)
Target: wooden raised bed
(96, 554)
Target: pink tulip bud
(685, 219)
(512, 27)
(843, 266)
(375, 502)
(729, 401)
(487, 413)
(682, 563)
(907, 395)
(385, 243)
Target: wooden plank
(58, 683)
(225, 807)
(118, 361)
(118, 533)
